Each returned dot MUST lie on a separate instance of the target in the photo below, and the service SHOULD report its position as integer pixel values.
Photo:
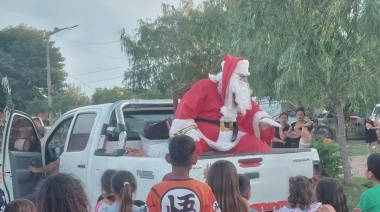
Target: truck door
(77, 150)
(21, 149)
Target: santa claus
(219, 114)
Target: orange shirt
(187, 195)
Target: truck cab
(91, 139)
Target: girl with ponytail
(124, 185)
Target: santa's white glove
(268, 122)
(193, 133)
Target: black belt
(223, 126)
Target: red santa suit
(207, 113)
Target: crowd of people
(223, 190)
(296, 135)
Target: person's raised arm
(283, 134)
(370, 127)
(48, 168)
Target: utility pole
(49, 86)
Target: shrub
(329, 156)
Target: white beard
(242, 93)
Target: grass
(356, 147)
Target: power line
(104, 55)
(81, 82)
(100, 70)
(108, 42)
(105, 79)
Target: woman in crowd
(279, 140)
(20, 205)
(124, 185)
(330, 192)
(300, 197)
(223, 179)
(62, 193)
(300, 132)
(370, 135)
(107, 197)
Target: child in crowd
(20, 205)
(331, 194)
(62, 193)
(124, 185)
(223, 179)
(180, 192)
(107, 197)
(370, 199)
(300, 196)
(245, 188)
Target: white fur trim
(242, 67)
(255, 122)
(224, 141)
(179, 124)
(215, 78)
(229, 115)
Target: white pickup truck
(92, 139)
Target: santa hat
(231, 65)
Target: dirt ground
(358, 164)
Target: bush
(329, 156)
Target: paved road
(358, 164)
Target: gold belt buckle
(223, 127)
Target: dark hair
(105, 182)
(124, 185)
(20, 205)
(330, 191)
(181, 150)
(283, 114)
(373, 164)
(37, 119)
(244, 184)
(61, 193)
(300, 193)
(301, 109)
(224, 183)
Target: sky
(92, 51)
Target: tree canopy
(23, 61)
(68, 98)
(173, 50)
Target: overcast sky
(92, 50)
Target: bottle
(57, 152)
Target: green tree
(37, 106)
(71, 97)
(105, 95)
(175, 49)
(23, 61)
(321, 53)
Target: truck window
(23, 136)
(149, 124)
(57, 140)
(81, 132)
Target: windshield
(149, 124)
